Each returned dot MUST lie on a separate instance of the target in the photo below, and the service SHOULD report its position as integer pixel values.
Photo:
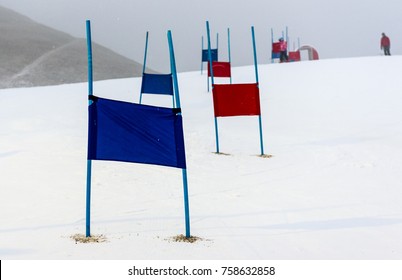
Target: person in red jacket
(283, 47)
(385, 44)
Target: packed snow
(331, 190)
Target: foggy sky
(336, 28)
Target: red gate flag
(276, 50)
(294, 56)
(236, 100)
(276, 47)
(220, 69)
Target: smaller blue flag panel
(276, 55)
(214, 54)
(122, 131)
(157, 84)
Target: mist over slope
(36, 55)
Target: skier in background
(284, 50)
(385, 44)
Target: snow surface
(332, 189)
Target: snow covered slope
(332, 189)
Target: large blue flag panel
(214, 55)
(157, 84)
(122, 131)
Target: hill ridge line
(39, 60)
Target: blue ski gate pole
(230, 61)
(212, 81)
(184, 171)
(145, 60)
(256, 78)
(89, 162)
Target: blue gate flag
(157, 84)
(123, 131)
(214, 54)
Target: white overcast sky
(336, 28)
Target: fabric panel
(220, 69)
(122, 131)
(157, 84)
(214, 54)
(276, 49)
(294, 56)
(236, 100)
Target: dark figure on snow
(283, 46)
(385, 44)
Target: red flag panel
(276, 47)
(221, 69)
(236, 100)
(294, 56)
